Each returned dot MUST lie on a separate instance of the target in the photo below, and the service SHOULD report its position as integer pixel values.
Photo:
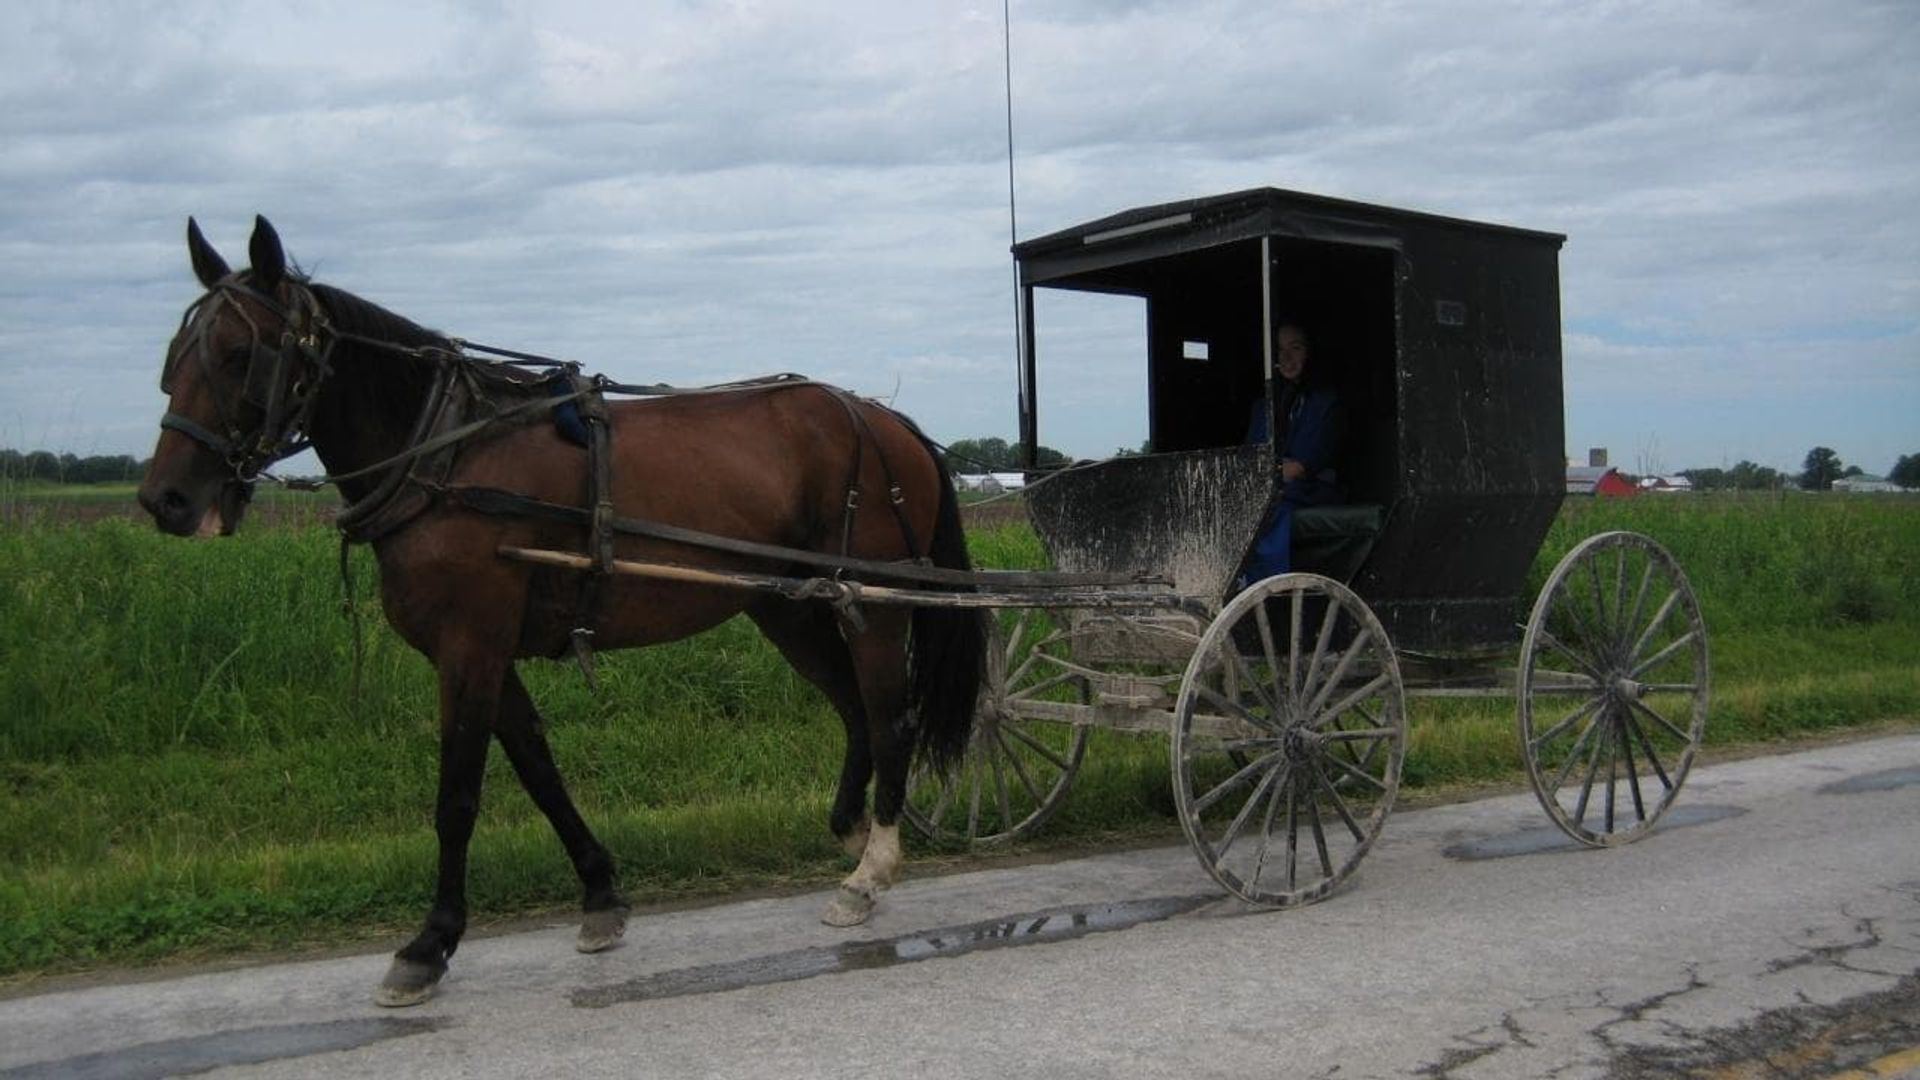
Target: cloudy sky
(697, 191)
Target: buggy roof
(1150, 232)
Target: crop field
(187, 767)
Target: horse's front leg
(518, 726)
(469, 697)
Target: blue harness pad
(566, 420)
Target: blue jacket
(1315, 436)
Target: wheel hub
(1300, 744)
(1626, 689)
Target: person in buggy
(1313, 430)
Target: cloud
(701, 190)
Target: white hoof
(849, 908)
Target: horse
(268, 361)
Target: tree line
(70, 468)
(1817, 473)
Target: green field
(185, 769)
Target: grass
(185, 770)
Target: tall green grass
(184, 766)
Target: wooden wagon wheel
(1612, 688)
(1288, 738)
(1025, 747)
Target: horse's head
(240, 378)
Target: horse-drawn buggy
(517, 511)
(1285, 697)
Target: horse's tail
(948, 645)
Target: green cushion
(1350, 519)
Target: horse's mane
(384, 386)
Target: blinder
(272, 382)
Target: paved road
(1771, 928)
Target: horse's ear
(208, 266)
(269, 259)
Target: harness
(466, 397)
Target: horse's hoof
(408, 982)
(849, 908)
(601, 930)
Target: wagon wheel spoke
(1633, 775)
(1586, 782)
(1339, 672)
(1566, 722)
(1351, 701)
(1237, 669)
(1345, 754)
(1551, 641)
(998, 762)
(1654, 624)
(1293, 838)
(1319, 835)
(1236, 710)
(1246, 811)
(1658, 658)
(1296, 604)
(1037, 691)
(1281, 690)
(1357, 772)
(1604, 630)
(1339, 804)
(1573, 754)
(1266, 826)
(1646, 745)
(1667, 725)
(1206, 802)
(1058, 760)
(1019, 768)
(1640, 595)
(1320, 642)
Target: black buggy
(1286, 699)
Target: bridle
(282, 381)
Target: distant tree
(996, 455)
(1853, 470)
(983, 455)
(1906, 471)
(1747, 476)
(1821, 469)
(1708, 479)
(41, 465)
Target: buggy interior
(1206, 322)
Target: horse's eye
(236, 357)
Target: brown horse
(267, 360)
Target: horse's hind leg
(517, 726)
(808, 636)
(880, 663)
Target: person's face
(1289, 353)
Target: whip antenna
(1013, 217)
